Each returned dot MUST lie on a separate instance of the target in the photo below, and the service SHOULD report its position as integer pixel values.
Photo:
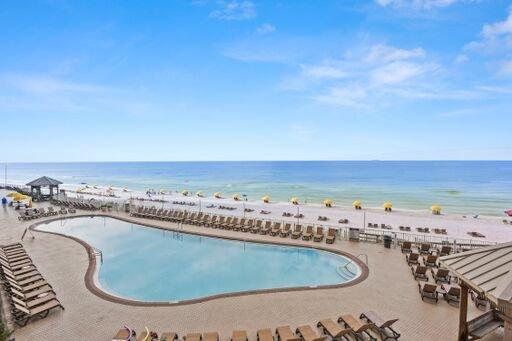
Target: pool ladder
(97, 252)
(345, 267)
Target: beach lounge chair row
(451, 293)
(382, 226)
(426, 248)
(256, 226)
(30, 295)
(368, 325)
(75, 204)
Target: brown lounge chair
(266, 228)
(359, 329)
(331, 236)
(430, 261)
(441, 275)
(413, 258)
(420, 272)
(384, 327)
(319, 235)
(297, 231)
(333, 329)
(193, 337)
(425, 249)
(308, 234)
(285, 232)
(406, 247)
(451, 293)
(123, 335)
(264, 335)
(308, 334)
(285, 333)
(211, 336)
(40, 311)
(239, 335)
(445, 251)
(428, 290)
(275, 229)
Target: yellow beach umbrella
(328, 202)
(217, 195)
(266, 199)
(295, 200)
(387, 206)
(199, 194)
(357, 204)
(436, 209)
(236, 197)
(20, 197)
(125, 189)
(12, 194)
(184, 192)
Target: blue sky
(255, 80)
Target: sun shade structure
(388, 206)
(266, 199)
(488, 272)
(436, 209)
(44, 181)
(357, 204)
(295, 201)
(328, 202)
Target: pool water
(147, 264)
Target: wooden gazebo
(42, 182)
(488, 273)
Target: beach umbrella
(387, 206)
(199, 194)
(328, 202)
(20, 197)
(236, 197)
(217, 195)
(125, 189)
(509, 213)
(12, 194)
(110, 188)
(266, 199)
(436, 209)
(357, 204)
(184, 192)
(295, 200)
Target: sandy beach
(456, 225)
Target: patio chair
(319, 234)
(406, 247)
(297, 231)
(384, 327)
(239, 335)
(428, 290)
(420, 272)
(285, 232)
(264, 335)
(441, 275)
(413, 258)
(331, 236)
(41, 311)
(333, 329)
(266, 228)
(308, 234)
(430, 261)
(285, 333)
(359, 329)
(451, 293)
(275, 229)
(257, 227)
(425, 249)
(308, 334)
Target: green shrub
(5, 333)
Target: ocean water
(469, 187)
(171, 266)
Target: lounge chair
(333, 329)
(319, 234)
(406, 247)
(124, 334)
(211, 336)
(285, 333)
(479, 299)
(257, 227)
(247, 226)
(297, 231)
(239, 335)
(430, 261)
(193, 337)
(285, 232)
(266, 228)
(413, 258)
(220, 222)
(428, 290)
(451, 293)
(358, 327)
(441, 275)
(308, 334)
(331, 236)
(419, 272)
(169, 336)
(444, 251)
(40, 311)
(264, 335)
(384, 327)
(308, 234)
(227, 224)
(239, 224)
(275, 229)
(425, 249)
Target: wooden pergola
(487, 272)
(44, 181)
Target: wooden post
(463, 312)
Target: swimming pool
(147, 264)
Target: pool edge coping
(101, 293)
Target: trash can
(353, 234)
(127, 207)
(387, 241)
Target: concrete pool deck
(389, 290)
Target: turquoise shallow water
(477, 187)
(148, 264)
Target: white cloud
(323, 71)
(385, 53)
(418, 4)
(266, 29)
(500, 28)
(235, 10)
(506, 67)
(46, 85)
(399, 72)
